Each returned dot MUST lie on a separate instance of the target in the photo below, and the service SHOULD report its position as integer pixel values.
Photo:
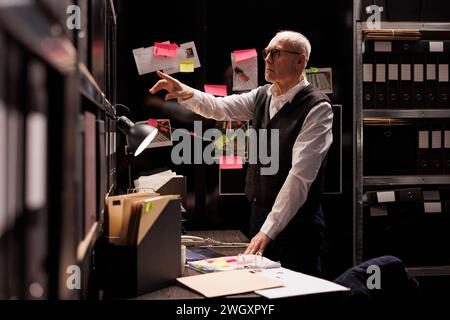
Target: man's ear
(302, 61)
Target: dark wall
(218, 28)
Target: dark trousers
(297, 248)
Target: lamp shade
(139, 136)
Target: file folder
(405, 81)
(443, 87)
(117, 215)
(152, 259)
(418, 60)
(404, 47)
(229, 282)
(102, 174)
(409, 195)
(436, 149)
(368, 78)
(397, 195)
(79, 173)
(382, 142)
(423, 146)
(90, 172)
(380, 81)
(377, 197)
(431, 83)
(393, 82)
(443, 51)
(35, 219)
(446, 206)
(446, 153)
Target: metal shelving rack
(361, 181)
(37, 28)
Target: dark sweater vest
(263, 189)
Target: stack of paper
(154, 182)
(248, 261)
(392, 34)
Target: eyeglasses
(275, 53)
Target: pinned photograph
(186, 52)
(164, 136)
(245, 69)
(321, 78)
(147, 62)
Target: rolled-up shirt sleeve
(233, 107)
(309, 151)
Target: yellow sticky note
(186, 66)
(148, 206)
(220, 142)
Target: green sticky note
(148, 206)
(186, 66)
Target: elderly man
(287, 221)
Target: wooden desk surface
(179, 292)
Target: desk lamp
(139, 135)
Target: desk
(179, 292)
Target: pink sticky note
(153, 122)
(241, 55)
(165, 49)
(230, 162)
(217, 90)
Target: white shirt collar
(289, 95)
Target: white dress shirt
(308, 152)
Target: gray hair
(297, 40)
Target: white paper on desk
(224, 283)
(146, 62)
(296, 284)
(186, 52)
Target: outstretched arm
(234, 107)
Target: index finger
(165, 76)
(250, 249)
(161, 84)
